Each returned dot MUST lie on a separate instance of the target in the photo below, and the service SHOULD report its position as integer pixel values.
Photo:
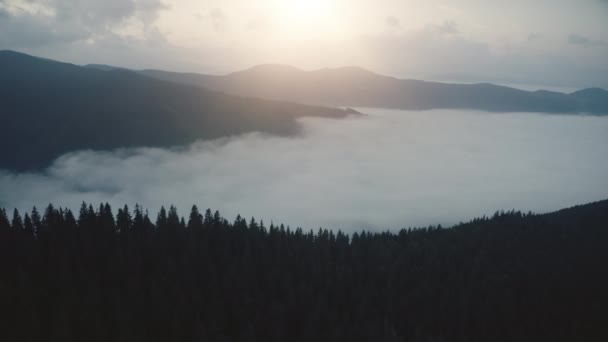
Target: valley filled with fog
(386, 170)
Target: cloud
(261, 23)
(431, 51)
(27, 30)
(577, 39)
(387, 170)
(49, 22)
(218, 19)
(392, 22)
(448, 27)
(534, 37)
(446, 53)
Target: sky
(382, 171)
(550, 43)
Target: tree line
(96, 276)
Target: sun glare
(308, 8)
(310, 16)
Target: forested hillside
(93, 276)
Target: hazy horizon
(520, 86)
(527, 87)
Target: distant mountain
(595, 100)
(356, 87)
(104, 67)
(49, 108)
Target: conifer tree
(17, 222)
(195, 220)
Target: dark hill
(356, 87)
(595, 100)
(49, 108)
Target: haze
(387, 170)
(556, 44)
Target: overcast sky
(560, 43)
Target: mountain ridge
(51, 108)
(365, 88)
(358, 87)
(267, 67)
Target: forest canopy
(96, 276)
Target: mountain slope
(594, 99)
(352, 86)
(512, 277)
(50, 108)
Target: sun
(307, 8)
(305, 15)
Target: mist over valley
(384, 170)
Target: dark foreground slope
(356, 87)
(49, 108)
(511, 277)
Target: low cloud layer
(388, 170)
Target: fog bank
(388, 170)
